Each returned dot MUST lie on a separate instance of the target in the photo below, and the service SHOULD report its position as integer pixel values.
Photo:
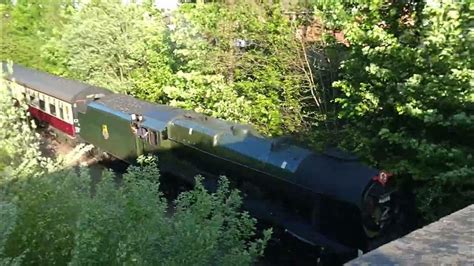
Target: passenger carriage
(51, 99)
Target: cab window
(152, 138)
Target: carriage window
(52, 109)
(33, 100)
(152, 138)
(61, 113)
(66, 112)
(42, 105)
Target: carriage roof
(61, 88)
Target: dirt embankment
(56, 147)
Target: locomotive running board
(294, 225)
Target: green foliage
(258, 83)
(120, 47)
(18, 152)
(8, 212)
(59, 222)
(120, 224)
(208, 94)
(131, 225)
(48, 207)
(408, 97)
(218, 238)
(26, 26)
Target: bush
(59, 222)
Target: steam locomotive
(327, 199)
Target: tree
(120, 47)
(248, 54)
(27, 25)
(407, 97)
(239, 61)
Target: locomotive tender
(325, 199)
